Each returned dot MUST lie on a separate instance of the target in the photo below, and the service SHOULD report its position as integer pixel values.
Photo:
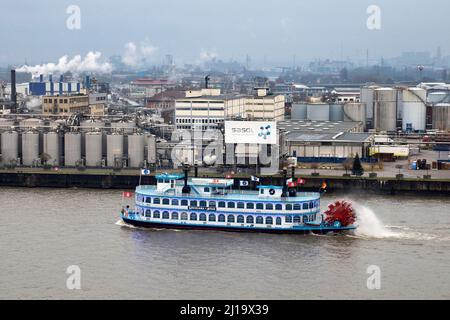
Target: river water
(44, 231)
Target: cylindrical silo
(318, 111)
(151, 148)
(385, 116)
(30, 148)
(299, 111)
(355, 112)
(336, 112)
(93, 149)
(368, 97)
(114, 149)
(136, 145)
(441, 116)
(72, 149)
(51, 147)
(10, 147)
(414, 109)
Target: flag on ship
(291, 183)
(255, 179)
(301, 181)
(145, 172)
(127, 194)
(243, 183)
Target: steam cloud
(136, 55)
(90, 63)
(208, 55)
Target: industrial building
(326, 141)
(65, 105)
(206, 108)
(50, 88)
(327, 147)
(265, 106)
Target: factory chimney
(207, 78)
(13, 90)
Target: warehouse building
(328, 147)
(324, 141)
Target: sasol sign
(260, 132)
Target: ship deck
(230, 195)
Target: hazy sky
(197, 29)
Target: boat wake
(370, 226)
(126, 225)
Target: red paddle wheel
(341, 211)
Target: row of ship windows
(229, 218)
(230, 204)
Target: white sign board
(260, 132)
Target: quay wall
(121, 180)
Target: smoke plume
(135, 55)
(90, 63)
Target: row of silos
(317, 112)
(116, 151)
(137, 148)
(386, 107)
(30, 141)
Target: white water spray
(369, 225)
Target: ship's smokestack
(284, 193)
(13, 90)
(186, 188)
(293, 190)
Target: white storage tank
(318, 111)
(30, 148)
(368, 97)
(414, 109)
(114, 149)
(299, 111)
(51, 147)
(336, 112)
(136, 146)
(151, 148)
(385, 115)
(93, 149)
(10, 146)
(72, 149)
(355, 112)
